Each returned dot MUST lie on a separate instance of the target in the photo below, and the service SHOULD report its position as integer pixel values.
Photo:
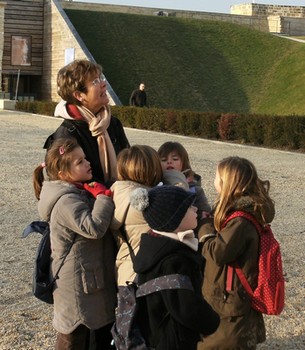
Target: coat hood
(121, 197)
(175, 178)
(50, 194)
(247, 204)
(155, 248)
(61, 110)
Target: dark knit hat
(163, 207)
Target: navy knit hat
(163, 207)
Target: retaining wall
(61, 40)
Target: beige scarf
(98, 125)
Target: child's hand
(189, 175)
(96, 188)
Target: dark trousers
(82, 338)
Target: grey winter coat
(85, 292)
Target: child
(239, 188)
(138, 166)
(174, 157)
(176, 318)
(85, 291)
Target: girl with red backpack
(236, 241)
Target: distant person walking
(138, 97)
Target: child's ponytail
(58, 158)
(38, 179)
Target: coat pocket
(92, 279)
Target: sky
(222, 6)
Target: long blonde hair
(58, 158)
(238, 178)
(140, 163)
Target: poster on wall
(69, 55)
(21, 50)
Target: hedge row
(284, 132)
(36, 107)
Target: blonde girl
(174, 158)
(138, 166)
(79, 216)
(239, 189)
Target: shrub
(208, 125)
(270, 131)
(254, 125)
(125, 114)
(293, 132)
(226, 127)
(36, 107)
(170, 121)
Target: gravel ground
(25, 322)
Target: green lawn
(195, 64)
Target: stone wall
(57, 38)
(2, 10)
(256, 22)
(266, 18)
(268, 10)
(60, 40)
(289, 20)
(293, 26)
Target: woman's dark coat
(79, 129)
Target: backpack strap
(245, 215)
(243, 280)
(63, 260)
(68, 124)
(124, 236)
(229, 279)
(173, 281)
(234, 267)
(41, 227)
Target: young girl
(239, 188)
(138, 166)
(85, 291)
(171, 318)
(174, 156)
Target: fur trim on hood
(246, 203)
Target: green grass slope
(195, 64)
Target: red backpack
(269, 295)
